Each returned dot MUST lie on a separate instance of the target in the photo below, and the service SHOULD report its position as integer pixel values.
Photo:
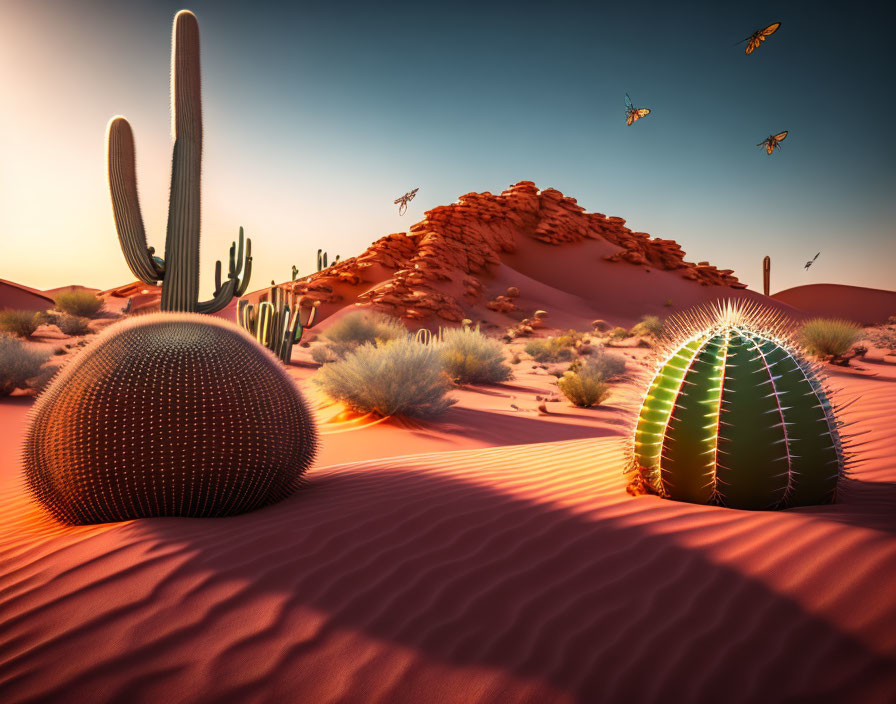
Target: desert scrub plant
(363, 327)
(469, 357)
(882, 336)
(608, 365)
(618, 333)
(322, 354)
(649, 325)
(20, 365)
(828, 338)
(401, 377)
(736, 416)
(21, 323)
(72, 325)
(550, 349)
(82, 304)
(584, 384)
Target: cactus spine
(766, 275)
(278, 321)
(736, 416)
(179, 271)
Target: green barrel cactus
(168, 414)
(736, 416)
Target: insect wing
(770, 30)
(780, 136)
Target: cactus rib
(735, 416)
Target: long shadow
(861, 503)
(537, 599)
(518, 429)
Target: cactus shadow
(463, 574)
(864, 504)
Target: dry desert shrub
(826, 337)
(551, 349)
(21, 323)
(356, 329)
(363, 327)
(73, 325)
(401, 377)
(469, 357)
(78, 303)
(649, 325)
(20, 365)
(584, 386)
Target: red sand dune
(18, 297)
(460, 259)
(520, 573)
(866, 306)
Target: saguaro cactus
(766, 275)
(736, 416)
(179, 271)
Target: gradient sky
(319, 114)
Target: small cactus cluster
(737, 416)
(168, 414)
(278, 321)
(179, 270)
(322, 260)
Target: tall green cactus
(179, 271)
(736, 416)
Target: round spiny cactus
(169, 414)
(736, 416)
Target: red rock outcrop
(435, 268)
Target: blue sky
(318, 115)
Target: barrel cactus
(736, 416)
(168, 414)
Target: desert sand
(865, 306)
(454, 567)
(18, 297)
(492, 555)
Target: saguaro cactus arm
(121, 159)
(235, 285)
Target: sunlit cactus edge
(736, 415)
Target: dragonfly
(811, 262)
(402, 202)
(633, 114)
(759, 36)
(773, 141)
